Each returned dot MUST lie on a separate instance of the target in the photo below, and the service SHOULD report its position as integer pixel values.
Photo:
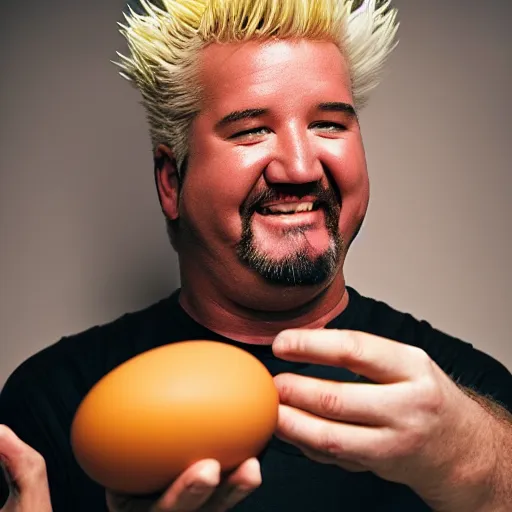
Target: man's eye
(252, 132)
(329, 126)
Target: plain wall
(82, 239)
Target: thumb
(26, 475)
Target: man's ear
(167, 181)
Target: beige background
(81, 236)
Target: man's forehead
(262, 67)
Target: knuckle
(412, 425)
(298, 343)
(434, 400)
(421, 358)
(285, 390)
(428, 392)
(354, 347)
(36, 467)
(328, 443)
(430, 396)
(31, 462)
(39, 463)
(411, 439)
(330, 404)
(293, 342)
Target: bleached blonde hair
(165, 38)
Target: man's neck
(259, 327)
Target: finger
(238, 485)
(364, 404)
(339, 441)
(192, 489)
(25, 467)
(379, 359)
(353, 467)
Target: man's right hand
(25, 472)
(198, 489)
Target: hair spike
(370, 38)
(164, 41)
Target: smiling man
(261, 175)
(281, 148)
(278, 151)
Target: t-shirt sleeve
(468, 366)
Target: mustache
(326, 197)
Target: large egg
(153, 416)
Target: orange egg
(153, 416)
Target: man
(261, 175)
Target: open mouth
(289, 208)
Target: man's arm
(498, 486)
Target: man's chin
(295, 256)
(298, 269)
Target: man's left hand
(410, 424)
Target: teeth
(289, 208)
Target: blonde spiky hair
(165, 38)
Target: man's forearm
(498, 497)
(481, 478)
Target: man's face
(276, 180)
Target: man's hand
(411, 424)
(25, 471)
(200, 488)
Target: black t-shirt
(40, 398)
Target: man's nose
(295, 159)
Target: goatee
(298, 268)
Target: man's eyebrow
(338, 106)
(238, 115)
